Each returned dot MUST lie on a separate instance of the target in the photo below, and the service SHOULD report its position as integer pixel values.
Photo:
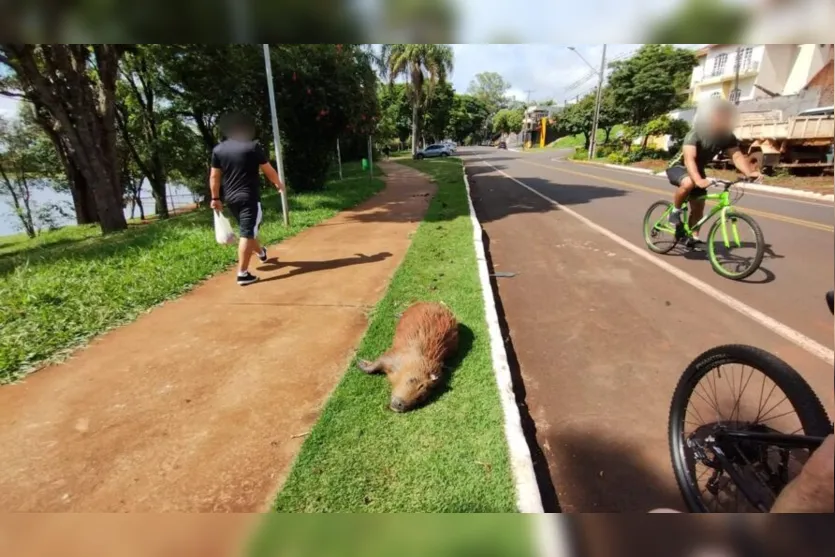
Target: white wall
(776, 66)
(810, 59)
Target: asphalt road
(599, 334)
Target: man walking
(234, 179)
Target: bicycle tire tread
(803, 399)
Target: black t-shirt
(239, 163)
(706, 148)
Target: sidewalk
(202, 404)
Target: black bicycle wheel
(658, 240)
(808, 409)
(742, 266)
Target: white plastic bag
(223, 230)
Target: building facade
(765, 70)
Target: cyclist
(712, 134)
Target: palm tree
(422, 64)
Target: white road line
(528, 498)
(811, 346)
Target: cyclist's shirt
(706, 148)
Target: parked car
(502, 145)
(451, 145)
(437, 150)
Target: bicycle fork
(734, 230)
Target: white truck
(804, 141)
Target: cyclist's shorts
(675, 174)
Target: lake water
(178, 196)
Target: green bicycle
(736, 255)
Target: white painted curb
(765, 188)
(528, 499)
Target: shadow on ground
(302, 267)
(481, 183)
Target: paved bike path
(797, 267)
(201, 404)
(601, 337)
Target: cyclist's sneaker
(695, 244)
(675, 218)
(246, 278)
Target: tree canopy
(491, 89)
(652, 82)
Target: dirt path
(201, 404)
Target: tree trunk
(608, 131)
(61, 79)
(83, 202)
(644, 142)
(415, 128)
(160, 202)
(141, 208)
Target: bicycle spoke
(762, 418)
(774, 386)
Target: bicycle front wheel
(735, 246)
(659, 235)
(710, 399)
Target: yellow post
(542, 132)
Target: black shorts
(248, 214)
(675, 174)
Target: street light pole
(600, 76)
(276, 136)
(593, 146)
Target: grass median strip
(56, 293)
(450, 455)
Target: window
(719, 65)
(745, 59)
(734, 96)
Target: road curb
(748, 185)
(528, 498)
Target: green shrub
(580, 154)
(618, 158)
(604, 151)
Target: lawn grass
(59, 290)
(459, 535)
(450, 455)
(579, 140)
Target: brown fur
(426, 335)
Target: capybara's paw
(366, 366)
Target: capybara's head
(410, 388)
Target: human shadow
(303, 267)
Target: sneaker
(263, 255)
(695, 244)
(247, 278)
(675, 218)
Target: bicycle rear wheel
(738, 252)
(693, 444)
(659, 236)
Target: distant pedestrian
(234, 180)
(386, 151)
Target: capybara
(426, 335)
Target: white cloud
(548, 71)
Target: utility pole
(736, 92)
(276, 136)
(593, 140)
